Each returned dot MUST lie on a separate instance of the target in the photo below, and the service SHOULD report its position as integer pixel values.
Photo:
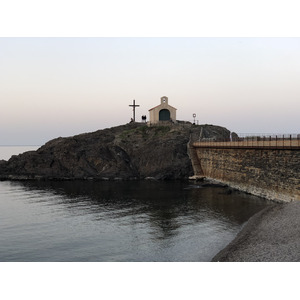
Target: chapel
(163, 112)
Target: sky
(68, 69)
(54, 87)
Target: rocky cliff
(132, 151)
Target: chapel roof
(162, 105)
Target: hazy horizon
(53, 87)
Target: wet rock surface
(131, 151)
(272, 235)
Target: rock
(150, 178)
(132, 151)
(234, 137)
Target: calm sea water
(119, 221)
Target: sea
(118, 221)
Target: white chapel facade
(163, 112)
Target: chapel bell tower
(164, 100)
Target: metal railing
(241, 140)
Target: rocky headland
(131, 151)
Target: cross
(134, 106)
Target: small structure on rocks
(163, 112)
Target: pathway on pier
(268, 144)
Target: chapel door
(164, 115)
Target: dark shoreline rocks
(272, 235)
(127, 152)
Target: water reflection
(163, 202)
(125, 221)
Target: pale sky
(54, 87)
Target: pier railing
(241, 140)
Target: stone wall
(273, 174)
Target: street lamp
(194, 116)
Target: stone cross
(134, 106)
